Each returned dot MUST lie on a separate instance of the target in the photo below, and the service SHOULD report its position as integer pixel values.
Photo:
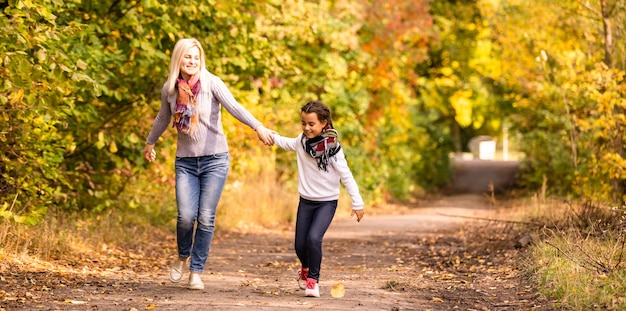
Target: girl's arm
(289, 144)
(341, 165)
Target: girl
(321, 166)
(193, 98)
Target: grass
(260, 202)
(572, 286)
(579, 260)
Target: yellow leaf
(151, 306)
(82, 65)
(338, 290)
(113, 147)
(16, 97)
(437, 299)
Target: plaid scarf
(186, 118)
(322, 147)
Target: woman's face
(190, 63)
(311, 125)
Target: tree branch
(493, 219)
(590, 8)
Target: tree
(567, 98)
(37, 95)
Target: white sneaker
(302, 275)
(176, 270)
(195, 282)
(312, 289)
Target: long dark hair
(321, 110)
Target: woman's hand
(265, 135)
(149, 153)
(359, 214)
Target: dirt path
(419, 260)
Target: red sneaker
(302, 276)
(312, 289)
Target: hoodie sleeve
(289, 144)
(345, 174)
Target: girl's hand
(359, 214)
(149, 153)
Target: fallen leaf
(338, 290)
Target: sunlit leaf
(338, 290)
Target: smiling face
(311, 125)
(190, 62)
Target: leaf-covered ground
(416, 260)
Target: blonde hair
(181, 47)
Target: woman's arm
(162, 120)
(159, 126)
(226, 98)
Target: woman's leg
(213, 171)
(187, 197)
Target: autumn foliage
(409, 83)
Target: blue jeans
(312, 221)
(199, 185)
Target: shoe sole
(312, 293)
(196, 287)
(174, 280)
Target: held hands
(359, 214)
(265, 135)
(149, 153)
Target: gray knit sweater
(209, 137)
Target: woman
(192, 98)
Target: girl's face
(190, 63)
(311, 125)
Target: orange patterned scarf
(186, 118)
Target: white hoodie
(318, 185)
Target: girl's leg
(213, 171)
(322, 217)
(304, 218)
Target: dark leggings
(312, 221)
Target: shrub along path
(417, 259)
